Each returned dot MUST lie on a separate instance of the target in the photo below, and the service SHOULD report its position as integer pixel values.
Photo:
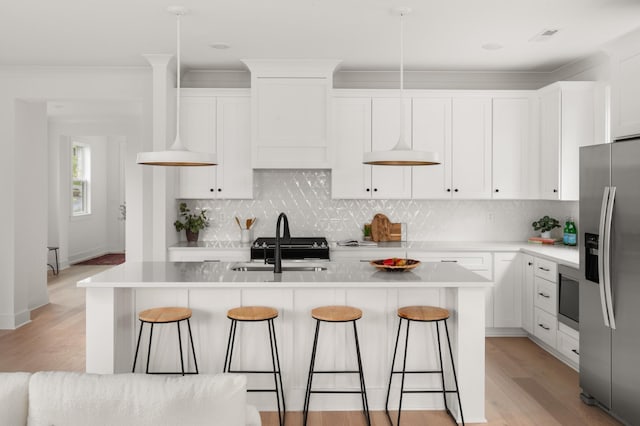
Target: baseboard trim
(505, 332)
(13, 321)
(554, 352)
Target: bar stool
(423, 314)
(56, 269)
(165, 316)
(254, 314)
(335, 314)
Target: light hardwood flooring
(524, 384)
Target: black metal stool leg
(276, 372)
(404, 368)
(363, 389)
(180, 347)
(305, 411)
(393, 363)
(444, 389)
(193, 349)
(149, 351)
(135, 358)
(453, 367)
(230, 343)
(275, 350)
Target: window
(80, 179)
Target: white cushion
(14, 398)
(75, 399)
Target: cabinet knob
(497, 190)
(530, 263)
(211, 189)
(368, 190)
(219, 189)
(455, 190)
(375, 189)
(448, 189)
(555, 190)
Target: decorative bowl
(392, 264)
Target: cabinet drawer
(568, 346)
(211, 255)
(545, 327)
(545, 295)
(470, 260)
(546, 269)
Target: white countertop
(338, 274)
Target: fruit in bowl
(395, 264)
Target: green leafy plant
(191, 222)
(545, 224)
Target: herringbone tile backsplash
(305, 196)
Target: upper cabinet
(625, 85)
(362, 124)
(566, 123)
(217, 121)
(515, 148)
(291, 110)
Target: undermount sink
(253, 267)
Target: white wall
(20, 258)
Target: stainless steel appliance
(568, 296)
(294, 248)
(610, 278)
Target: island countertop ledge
(337, 274)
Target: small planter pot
(192, 236)
(546, 234)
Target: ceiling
(439, 34)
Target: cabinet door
(432, 132)
(198, 133)
(471, 139)
(352, 135)
(389, 182)
(626, 93)
(527, 292)
(507, 293)
(511, 138)
(234, 174)
(550, 104)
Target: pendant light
(177, 154)
(401, 154)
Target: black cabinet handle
(544, 269)
(555, 190)
(219, 189)
(575, 352)
(529, 263)
(450, 261)
(368, 190)
(544, 295)
(544, 327)
(455, 190)
(375, 189)
(497, 190)
(211, 189)
(448, 189)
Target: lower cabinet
(528, 277)
(206, 254)
(568, 343)
(507, 292)
(545, 327)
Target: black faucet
(277, 266)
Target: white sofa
(75, 399)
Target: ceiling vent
(544, 35)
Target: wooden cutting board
(380, 228)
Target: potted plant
(191, 223)
(545, 224)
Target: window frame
(85, 179)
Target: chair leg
(307, 398)
(404, 368)
(193, 349)
(149, 351)
(275, 348)
(393, 363)
(453, 367)
(444, 389)
(275, 372)
(180, 348)
(135, 358)
(363, 389)
(227, 357)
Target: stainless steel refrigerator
(610, 278)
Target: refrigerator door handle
(607, 257)
(601, 231)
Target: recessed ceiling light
(492, 46)
(220, 45)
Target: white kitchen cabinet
(507, 292)
(625, 85)
(221, 125)
(291, 113)
(528, 274)
(513, 148)
(566, 124)
(363, 124)
(208, 254)
(432, 132)
(471, 147)
(545, 327)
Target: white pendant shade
(401, 154)
(177, 154)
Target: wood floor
(524, 384)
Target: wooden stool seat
(423, 313)
(164, 315)
(252, 313)
(336, 313)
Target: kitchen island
(114, 297)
